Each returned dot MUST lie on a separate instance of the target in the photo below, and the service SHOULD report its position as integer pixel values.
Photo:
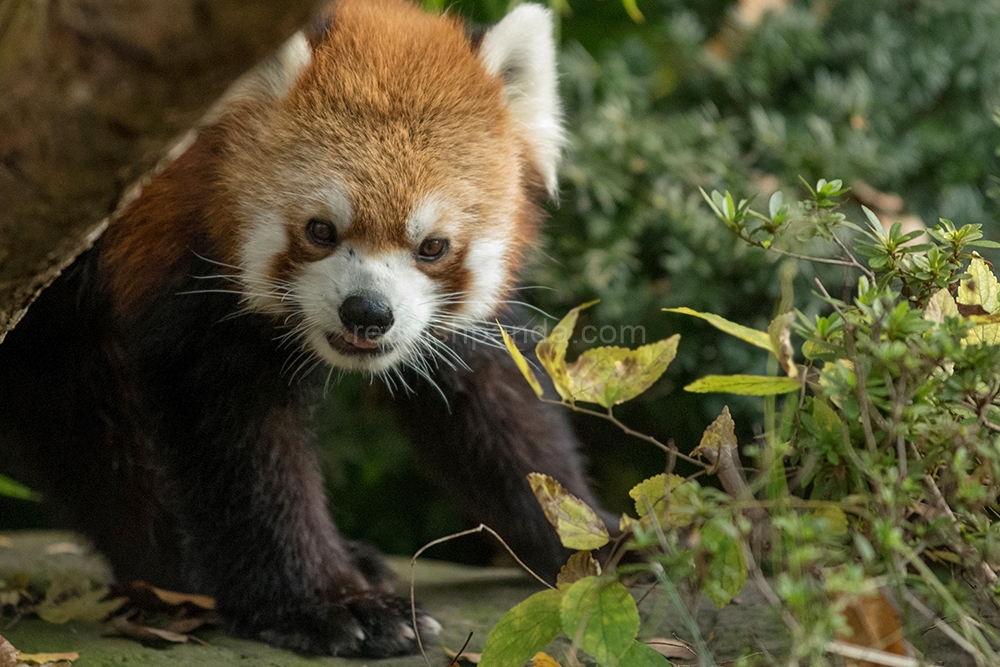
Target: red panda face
(379, 193)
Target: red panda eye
(321, 232)
(432, 249)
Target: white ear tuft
(521, 49)
(270, 80)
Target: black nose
(366, 315)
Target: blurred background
(896, 97)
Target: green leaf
(521, 362)
(641, 655)
(612, 375)
(752, 336)
(601, 615)
(875, 223)
(727, 567)
(524, 630)
(577, 524)
(632, 9)
(551, 352)
(12, 489)
(748, 385)
(981, 288)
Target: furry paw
(370, 562)
(369, 624)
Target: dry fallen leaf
(581, 564)
(46, 658)
(544, 660)
(145, 633)
(57, 548)
(672, 648)
(465, 656)
(175, 599)
(8, 654)
(874, 624)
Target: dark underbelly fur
(178, 445)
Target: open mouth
(349, 344)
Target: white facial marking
(265, 240)
(521, 49)
(323, 286)
(486, 260)
(423, 218)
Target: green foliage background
(897, 93)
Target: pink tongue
(357, 341)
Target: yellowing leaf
(941, 305)
(524, 630)
(42, 658)
(981, 289)
(551, 352)
(651, 492)
(749, 385)
(577, 524)
(605, 375)
(984, 334)
(720, 433)
(521, 362)
(70, 597)
(671, 497)
(581, 564)
(834, 516)
(752, 336)
(602, 617)
(612, 375)
(544, 660)
(779, 333)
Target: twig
(413, 579)
(808, 258)
(607, 416)
(854, 262)
(962, 642)
(871, 655)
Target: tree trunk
(92, 94)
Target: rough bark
(92, 94)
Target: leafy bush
(881, 466)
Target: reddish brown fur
(152, 237)
(399, 118)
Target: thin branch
(607, 416)
(854, 262)
(413, 577)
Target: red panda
(362, 203)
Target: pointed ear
(521, 49)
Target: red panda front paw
(369, 624)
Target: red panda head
(378, 182)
